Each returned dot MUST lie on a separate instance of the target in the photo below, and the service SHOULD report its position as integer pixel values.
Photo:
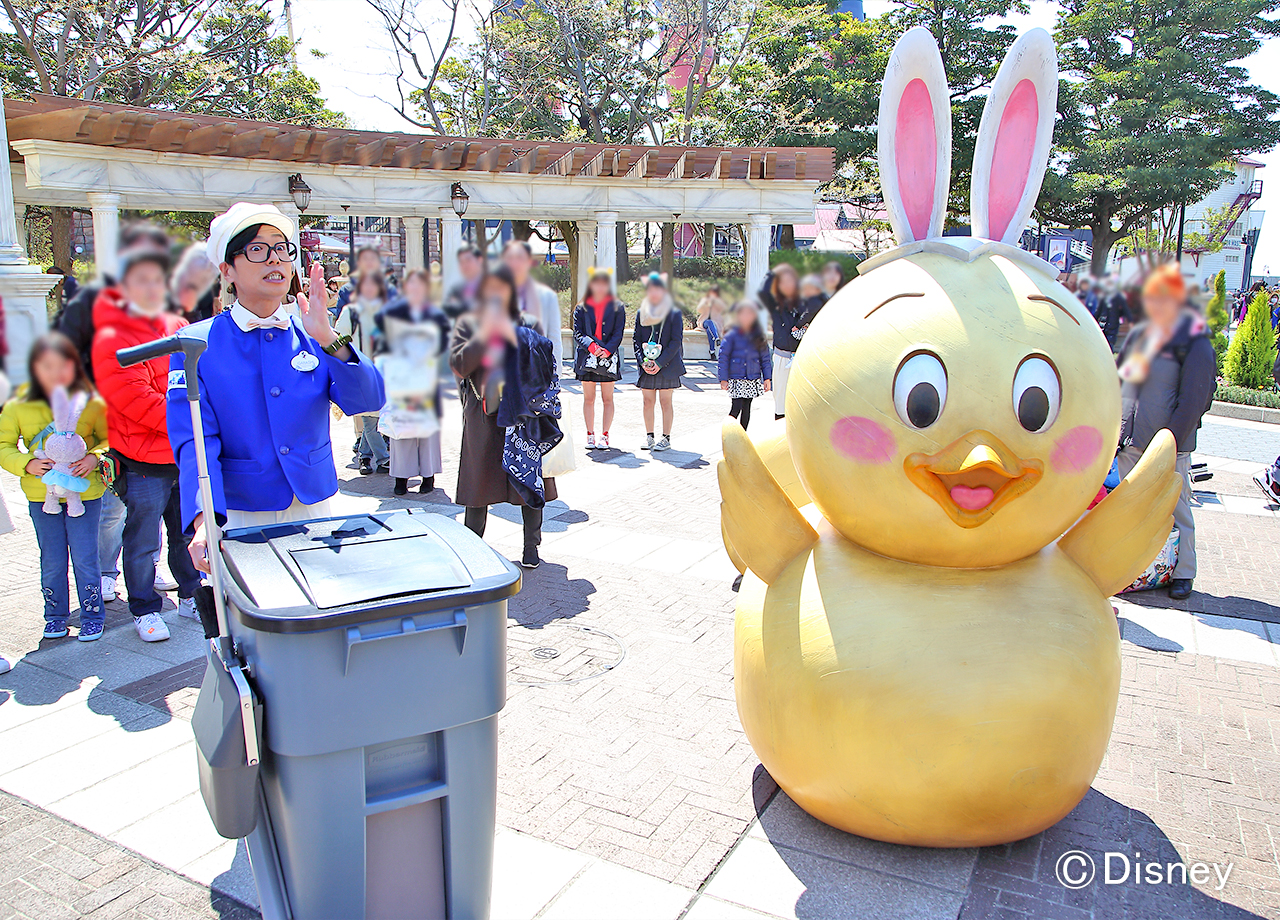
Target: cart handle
(190, 340)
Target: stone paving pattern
(646, 768)
(50, 869)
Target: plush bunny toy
(64, 447)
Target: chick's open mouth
(973, 477)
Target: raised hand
(314, 308)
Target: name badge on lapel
(305, 361)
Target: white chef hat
(241, 216)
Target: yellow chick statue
(925, 652)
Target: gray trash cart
(377, 644)
(356, 668)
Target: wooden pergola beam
(66, 125)
(638, 171)
(252, 144)
(409, 157)
(723, 164)
(495, 159)
(568, 165)
(212, 139)
(534, 161)
(171, 134)
(291, 145)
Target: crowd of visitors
(378, 354)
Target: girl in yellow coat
(26, 424)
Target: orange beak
(973, 477)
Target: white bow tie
(248, 321)
(271, 322)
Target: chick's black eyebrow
(890, 300)
(1045, 299)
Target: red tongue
(972, 499)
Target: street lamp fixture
(300, 192)
(459, 198)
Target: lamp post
(459, 198)
(300, 192)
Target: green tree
(810, 77)
(216, 57)
(1155, 240)
(1215, 313)
(1251, 358)
(1153, 105)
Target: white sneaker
(187, 608)
(664, 443)
(648, 442)
(603, 443)
(151, 628)
(591, 441)
(164, 582)
(108, 588)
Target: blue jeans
(150, 499)
(58, 534)
(713, 336)
(110, 534)
(371, 443)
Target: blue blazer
(266, 417)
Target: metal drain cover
(560, 653)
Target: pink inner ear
(916, 156)
(1011, 160)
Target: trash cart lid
(301, 577)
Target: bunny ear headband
(1009, 159)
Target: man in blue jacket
(266, 381)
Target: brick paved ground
(49, 868)
(641, 763)
(1192, 773)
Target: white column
(586, 255)
(606, 239)
(106, 231)
(413, 244)
(450, 242)
(23, 286)
(20, 213)
(757, 252)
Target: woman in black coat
(482, 481)
(658, 339)
(599, 323)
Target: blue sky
(355, 74)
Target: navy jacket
(741, 360)
(613, 328)
(670, 335)
(265, 410)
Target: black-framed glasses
(261, 252)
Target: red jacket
(135, 395)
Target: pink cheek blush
(862, 439)
(1076, 450)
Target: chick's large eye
(920, 390)
(1037, 394)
